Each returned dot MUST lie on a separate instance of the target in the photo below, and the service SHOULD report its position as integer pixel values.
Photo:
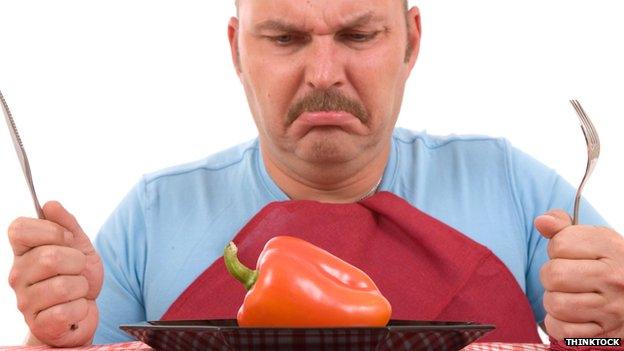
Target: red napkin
(426, 269)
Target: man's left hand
(583, 280)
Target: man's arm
(539, 190)
(121, 243)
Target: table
(137, 345)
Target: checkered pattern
(360, 339)
(497, 346)
(430, 340)
(181, 340)
(139, 346)
(125, 346)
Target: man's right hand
(56, 275)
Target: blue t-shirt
(176, 222)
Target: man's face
(324, 78)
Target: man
(324, 81)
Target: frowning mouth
(326, 118)
(326, 107)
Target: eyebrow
(278, 25)
(367, 18)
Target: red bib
(426, 269)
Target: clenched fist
(56, 276)
(583, 280)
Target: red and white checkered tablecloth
(137, 345)
(496, 346)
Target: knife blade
(21, 154)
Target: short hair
(405, 5)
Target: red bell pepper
(297, 284)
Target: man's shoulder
(455, 142)
(220, 162)
(471, 155)
(420, 154)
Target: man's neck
(341, 183)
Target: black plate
(226, 335)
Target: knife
(21, 154)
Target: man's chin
(333, 147)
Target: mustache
(326, 100)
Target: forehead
(317, 14)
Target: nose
(325, 68)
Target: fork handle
(577, 200)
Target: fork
(593, 151)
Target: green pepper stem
(238, 270)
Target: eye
(287, 39)
(359, 37)
(283, 39)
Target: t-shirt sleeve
(121, 244)
(538, 189)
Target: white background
(104, 91)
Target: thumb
(552, 222)
(55, 212)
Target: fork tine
(591, 126)
(577, 107)
(581, 119)
(585, 119)
(588, 126)
(586, 123)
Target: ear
(233, 38)
(413, 35)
